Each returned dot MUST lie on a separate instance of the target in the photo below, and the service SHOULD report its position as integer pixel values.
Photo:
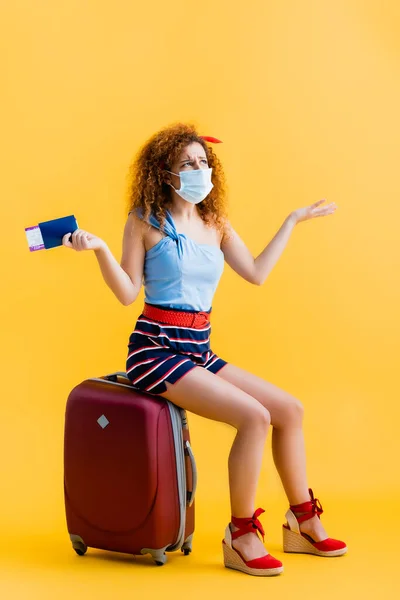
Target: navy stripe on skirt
(158, 353)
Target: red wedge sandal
(264, 566)
(295, 540)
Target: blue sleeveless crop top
(180, 273)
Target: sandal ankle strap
(248, 525)
(310, 508)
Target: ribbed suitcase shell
(127, 468)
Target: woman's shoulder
(136, 213)
(147, 224)
(135, 217)
(134, 225)
(222, 227)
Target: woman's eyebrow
(190, 159)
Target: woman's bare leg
(287, 437)
(205, 394)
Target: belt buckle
(200, 319)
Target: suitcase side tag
(103, 421)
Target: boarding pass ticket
(35, 239)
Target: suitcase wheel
(161, 561)
(187, 546)
(80, 549)
(159, 556)
(78, 545)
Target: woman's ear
(166, 178)
(164, 173)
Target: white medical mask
(195, 185)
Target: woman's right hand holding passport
(82, 240)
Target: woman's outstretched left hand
(313, 211)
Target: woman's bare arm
(256, 270)
(240, 259)
(125, 279)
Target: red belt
(197, 320)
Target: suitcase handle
(191, 494)
(114, 377)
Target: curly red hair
(148, 190)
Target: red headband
(206, 138)
(213, 140)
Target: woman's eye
(190, 163)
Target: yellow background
(305, 95)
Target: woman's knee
(293, 413)
(255, 416)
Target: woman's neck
(182, 209)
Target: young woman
(177, 238)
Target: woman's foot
(304, 532)
(314, 528)
(244, 551)
(249, 545)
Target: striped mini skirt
(159, 352)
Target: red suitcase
(129, 471)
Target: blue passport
(53, 231)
